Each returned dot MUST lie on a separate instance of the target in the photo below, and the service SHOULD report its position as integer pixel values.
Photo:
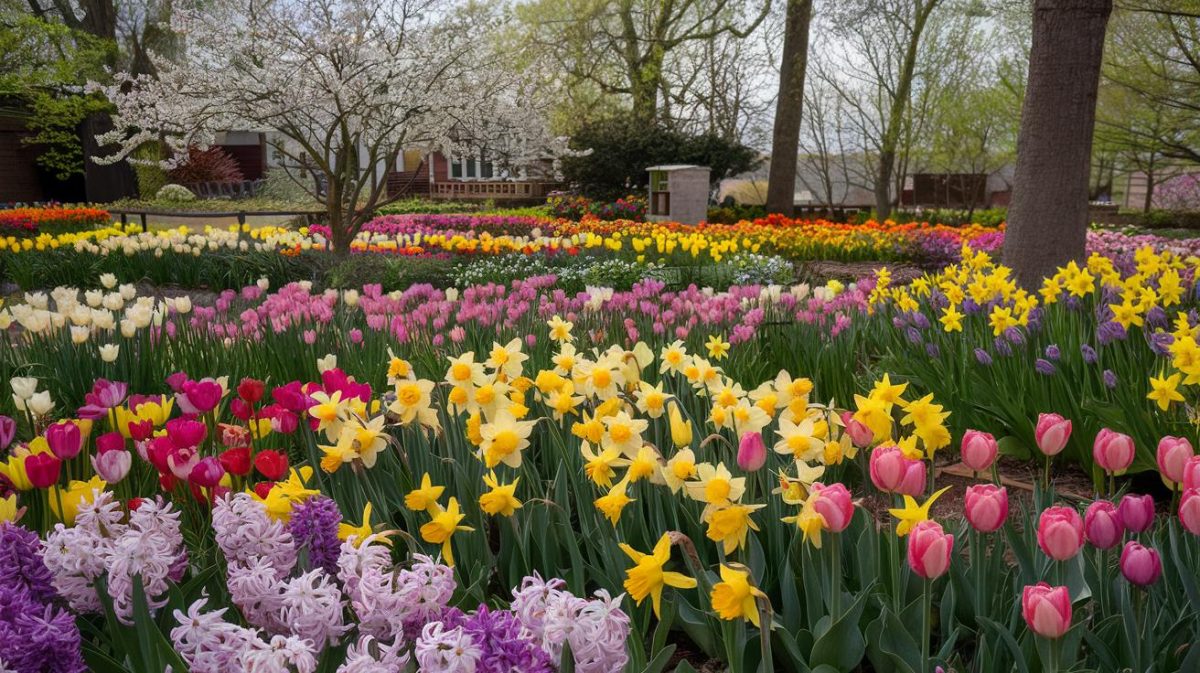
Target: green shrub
(174, 194)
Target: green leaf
(1012, 446)
(842, 646)
(1009, 642)
(658, 663)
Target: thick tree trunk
(1148, 204)
(104, 182)
(1047, 222)
(785, 138)
(883, 185)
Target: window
(472, 168)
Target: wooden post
(143, 216)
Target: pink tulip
(1174, 454)
(860, 434)
(1140, 565)
(1060, 532)
(8, 430)
(1052, 433)
(1113, 451)
(110, 441)
(186, 433)
(1137, 512)
(986, 506)
(1102, 525)
(834, 505)
(752, 453)
(929, 549)
(1046, 609)
(1189, 510)
(64, 439)
(1191, 473)
(892, 472)
(978, 450)
(112, 466)
(180, 461)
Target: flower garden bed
(530, 476)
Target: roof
(677, 167)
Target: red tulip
(986, 506)
(236, 460)
(251, 390)
(1140, 565)
(978, 450)
(110, 441)
(1052, 433)
(42, 469)
(271, 464)
(1060, 532)
(929, 549)
(1102, 525)
(263, 488)
(1046, 609)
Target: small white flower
(264, 284)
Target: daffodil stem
(927, 625)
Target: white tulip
(183, 305)
(109, 352)
(326, 363)
(79, 335)
(108, 280)
(23, 387)
(264, 284)
(94, 298)
(128, 329)
(350, 297)
(41, 404)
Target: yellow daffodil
(912, 513)
(734, 597)
(647, 576)
(500, 498)
(442, 527)
(1163, 390)
(425, 497)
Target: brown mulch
(821, 271)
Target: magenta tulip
(1137, 512)
(1173, 456)
(112, 466)
(752, 453)
(1113, 451)
(1052, 433)
(834, 505)
(1140, 565)
(986, 506)
(1102, 525)
(110, 441)
(186, 433)
(978, 450)
(200, 397)
(64, 439)
(1060, 532)
(929, 549)
(42, 469)
(1046, 609)
(8, 430)
(207, 473)
(1189, 510)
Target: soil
(825, 270)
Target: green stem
(927, 624)
(835, 577)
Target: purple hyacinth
(982, 357)
(1089, 354)
(914, 337)
(314, 528)
(1035, 320)
(1156, 318)
(1045, 367)
(21, 565)
(932, 350)
(1110, 378)
(1160, 342)
(920, 320)
(1003, 349)
(1015, 336)
(1053, 353)
(499, 634)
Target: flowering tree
(339, 86)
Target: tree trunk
(883, 185)
(1148, 204)
(785, 139)
(104, 182)
(1047, 223)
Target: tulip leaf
(890, 647)
(659, 663)
(1010, 642)
(842, 645)
(1013, 446)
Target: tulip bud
(978, 450)
(860, 434)
(1102, 525)
(42, 469)
(986, 507)
(1113, 451)
(1052, 433)
(8, 431)
(1060, 532)
(1046, 609)
(1189, 510)
(1140, 565)
(929, 549)
(112, 466)
(64, 439)
(752, 453)
(1137, 512)
(681, 430)
(834, 504)
(1173, 455)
